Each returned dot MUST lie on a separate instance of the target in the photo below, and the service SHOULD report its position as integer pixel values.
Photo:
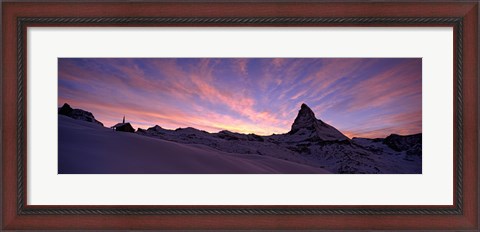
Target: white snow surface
(88, 148)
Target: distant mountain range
(310, 142)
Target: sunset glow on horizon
(361, 97)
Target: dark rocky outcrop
(412, 144)
(308, 126)
(78, 114)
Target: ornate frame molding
(23, 23)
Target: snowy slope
(89, 148)
(311, 142)
(346, 156)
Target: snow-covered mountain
(307, 126)
(310, 143)
(410, 145)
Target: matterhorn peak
(305, 118)
(307, 125)
(305, 111)
(304, 106)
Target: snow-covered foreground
(89, 148)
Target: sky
(361, 97)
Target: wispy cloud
(362, 97)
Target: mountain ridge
(310, 123)
(78, 114)
(309, 142)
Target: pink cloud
(241, 66)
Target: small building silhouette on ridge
(122, 126)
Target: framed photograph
(255, 115)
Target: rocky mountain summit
(306, 125)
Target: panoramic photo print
(239, 115)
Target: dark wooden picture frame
(462, 16)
